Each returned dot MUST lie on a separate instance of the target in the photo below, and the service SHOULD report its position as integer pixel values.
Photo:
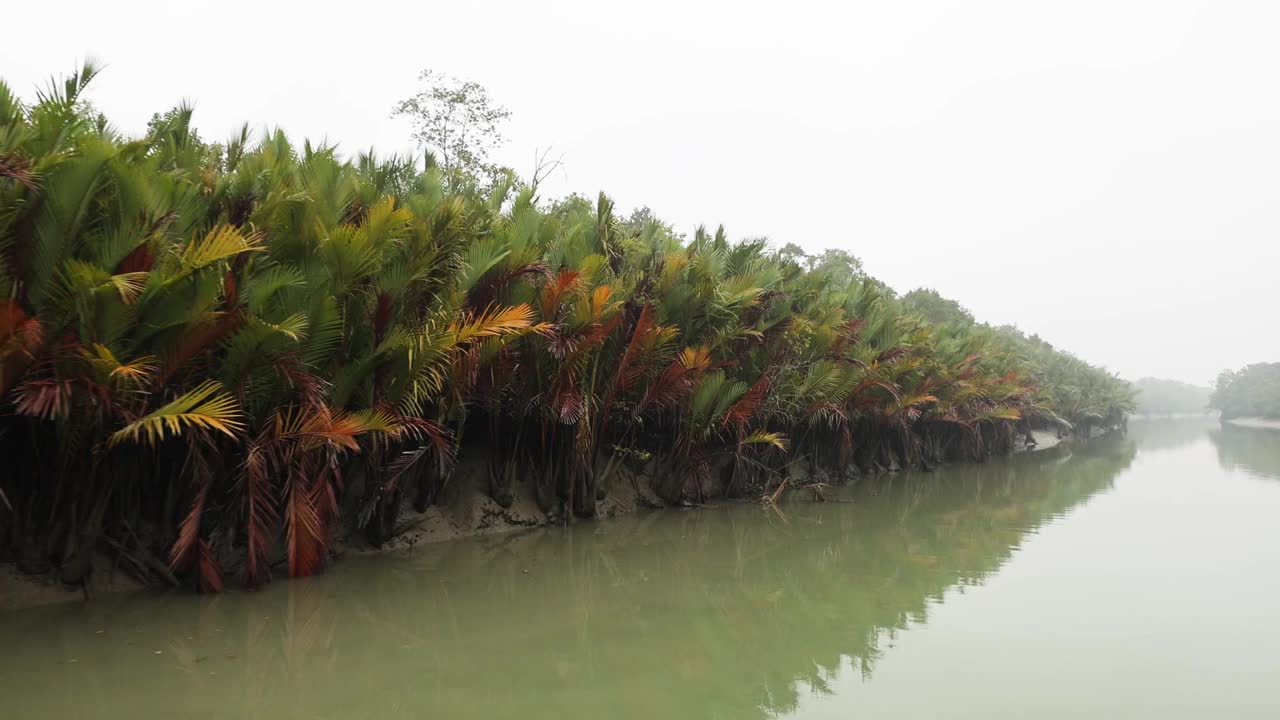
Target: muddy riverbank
(464, 510)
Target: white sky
(1102, 173)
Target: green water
(1132, 578)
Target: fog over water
(1100, 173)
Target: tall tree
(457, 120)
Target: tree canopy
(1252, 391)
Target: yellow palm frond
(129, 285)
(773, 439)
(223, 241)
(696, 358)
(206, 407)
(494, 323)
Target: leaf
(188, 532)
(204, 407)
(494, 322)
(45, 399)
(554, 291)
(772, 439)
(1003, 412)
(222, 242)
(209, 571)
(260, 511)
(129, 285)
(305, 529)
(748, 405)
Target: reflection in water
(1254, 450)
(716, 613)
(1153, 434)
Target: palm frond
(205, 407)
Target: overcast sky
(1105, 174)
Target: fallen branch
(773, 499)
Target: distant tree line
(1157, 396)
(1253, 391)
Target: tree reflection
(716, 613)
(1253, 450)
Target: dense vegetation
(214, 352)
(1253, 391)
(1157, 396)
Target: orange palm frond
(696, 359)
(565, 282)
(494, 322)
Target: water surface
(1133, 577)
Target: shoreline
(466, 511)
(1254, 422)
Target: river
(1128, 578)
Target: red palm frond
(909, 404)
(230, 290)
(569, 406)
(565, 396)
(17, 331)
(15, 167)
(674, 383)
(565, 282)
(305, 529)
(261, 516)
(850, 334)
(892, 354)
(629, 371)
(439, 436)
(46, 399)
(339, 429)
(200, 337)
(311, 389)
(189, 531)
(439, 439)
(828, 411)
(466, 369)
(208, 569)
(141, 259)
(748, 405)
(861, 398)
(20, 340)
(561, 344)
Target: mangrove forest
(214, 357)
